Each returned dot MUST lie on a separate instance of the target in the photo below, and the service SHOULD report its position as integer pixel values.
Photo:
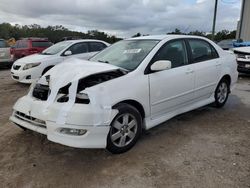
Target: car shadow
(4, 68)
(244, 76)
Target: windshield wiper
(121, 68)
(103, 61)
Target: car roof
(163, 37)
(83, 40)
(34, 39)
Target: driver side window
(79, 48)
(175, 52)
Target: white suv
(132, 85)
(30, 68)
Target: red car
(28, 46)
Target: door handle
(218, 64)
(189, 71)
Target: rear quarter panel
(229, 66)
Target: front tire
(125, 129)
(221, 93)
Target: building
(243, 29)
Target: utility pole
(214, 21)
(241, 19)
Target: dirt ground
(206, 148)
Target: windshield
(58, 47)
(127, 54)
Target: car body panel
(166, 97)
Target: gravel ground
(206, 148)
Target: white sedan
(30, 68)
(132, 85)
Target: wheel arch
(228, 78)
(47, 68)
(133, 103)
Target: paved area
(206, 148)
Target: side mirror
(161, 65)
(67, 53)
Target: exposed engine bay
(42, 91)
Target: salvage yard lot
(207, 147)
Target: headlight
(247, 56)
(81, 98)
(30, 65)
(242, 56)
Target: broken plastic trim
(79, 100)
(42, 91)
(95, 79)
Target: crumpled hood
(243, 49)
(35, 58)
(72, 70)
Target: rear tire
(125, 129)
(221, 93)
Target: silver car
(5, 54)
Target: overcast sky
(123, 18)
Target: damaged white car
(130, 86)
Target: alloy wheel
(123, 130)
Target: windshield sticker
(132, 51)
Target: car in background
(226, 44)
(6, 59)
(29, 46)
(232, 43)
(30, 68)
(71, 38)
(243, 59)
(131, 86)
(241, 43)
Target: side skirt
(149, 123)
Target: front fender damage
(99, 97)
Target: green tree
(53, 33)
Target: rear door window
(41, 44)
(96, 46)
(202, 50)
(22, 44)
